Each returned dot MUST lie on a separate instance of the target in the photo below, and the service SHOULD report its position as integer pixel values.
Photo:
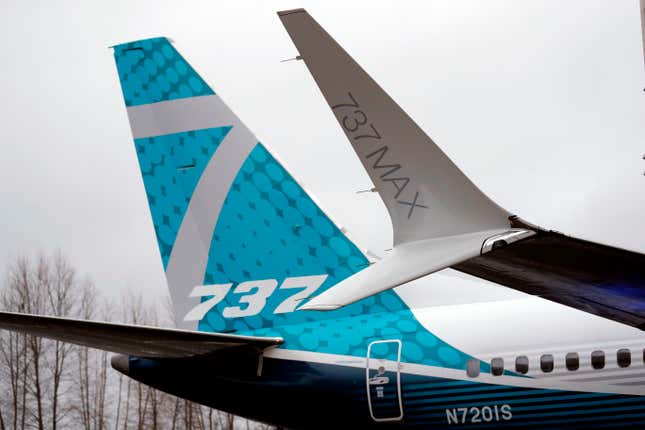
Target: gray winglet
(439, 217)
(425, 193)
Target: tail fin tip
(152, 70)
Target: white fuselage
(487, 321)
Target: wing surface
(425, 193)
(598, 279)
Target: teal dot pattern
(269, 228)
(171, 166)
(152, 70)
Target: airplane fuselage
(539, 364)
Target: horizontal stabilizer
(129, 339)
(408, 262)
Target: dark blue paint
(297, 394)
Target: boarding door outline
(383, 380)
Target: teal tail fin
(242, 244)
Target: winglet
(411, 261)
(425, 193)
(439, 217)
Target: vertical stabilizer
(190, 147)
(242, 243)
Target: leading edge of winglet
(291, 11)
(439, 217)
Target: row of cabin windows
(572, 362)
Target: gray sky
(540, 103)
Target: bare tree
(19, 350)
(36, 367)
(91, 379)
(61, 289)
(14, 349)
(49, 384)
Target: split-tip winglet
(290, 11)
(439, 217)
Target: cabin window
(472, 368)
(598, 359)
(497, 366)
(522, 364)
(572, 360)
(623, 357)
(546, 363)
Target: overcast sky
(540, 103)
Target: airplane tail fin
(242, 243)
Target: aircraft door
(383, 374)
